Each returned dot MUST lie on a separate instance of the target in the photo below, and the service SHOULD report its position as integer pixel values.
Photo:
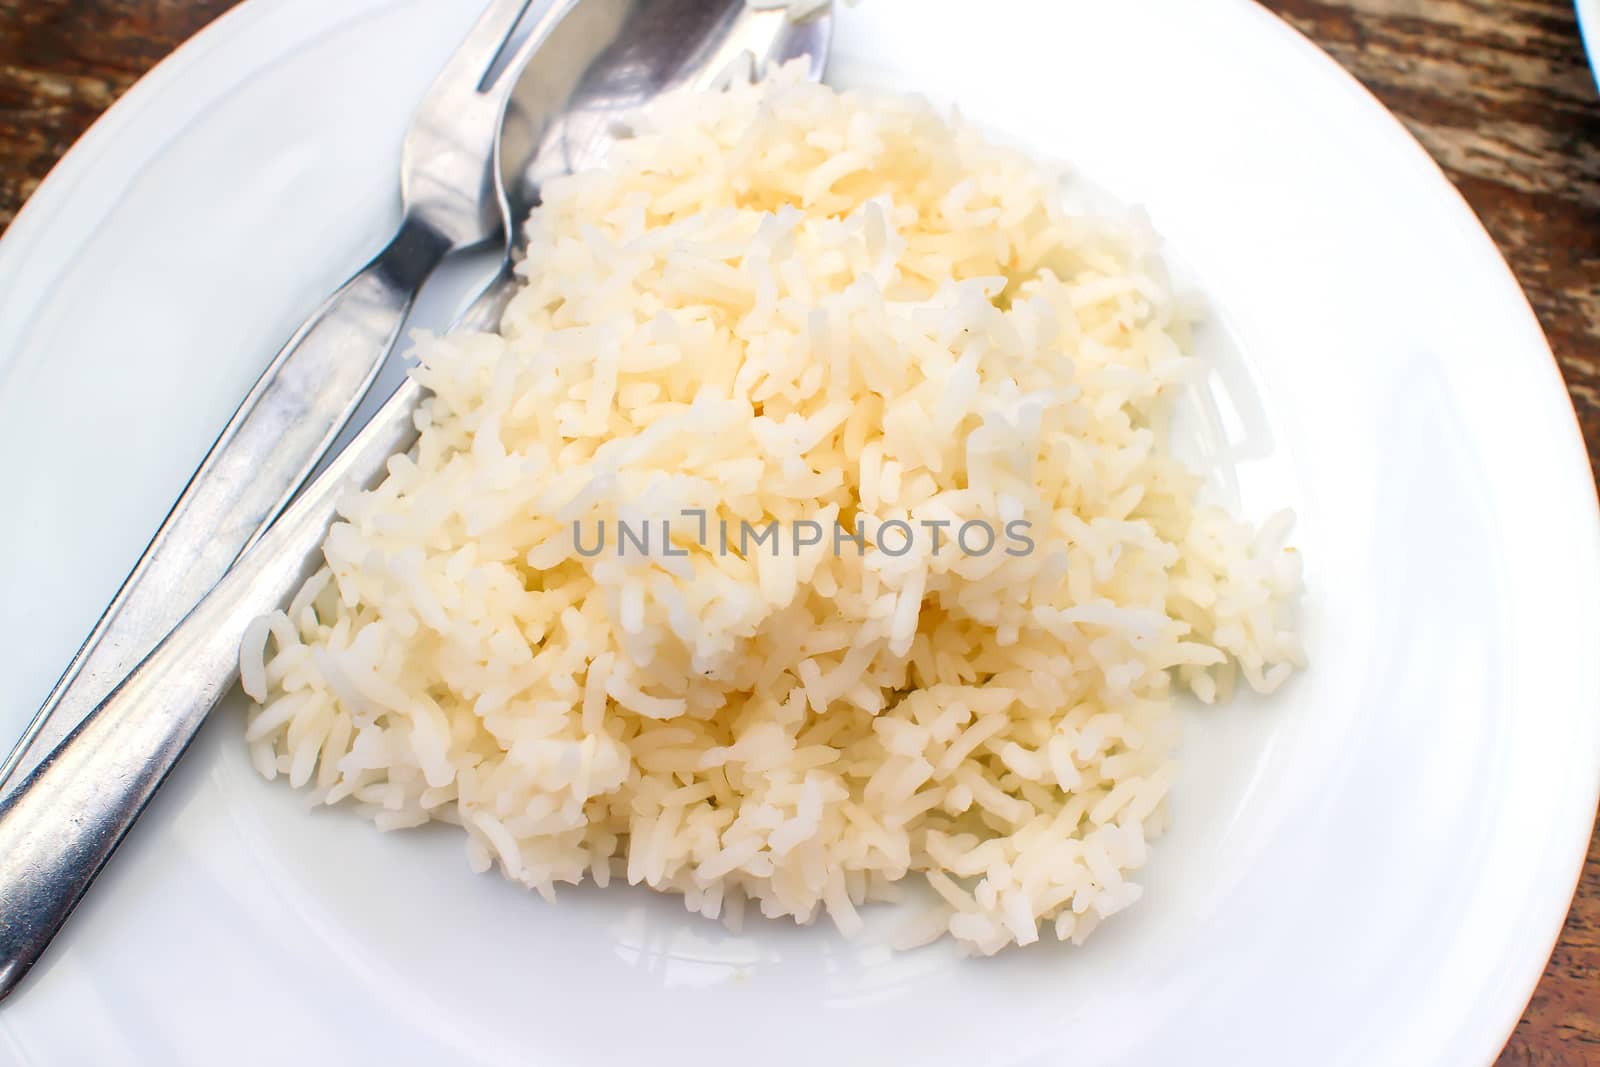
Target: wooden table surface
(1497, 90)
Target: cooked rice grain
(785, 302)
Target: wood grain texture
(1497, 90)
(63, 62)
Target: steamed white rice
(788, 303)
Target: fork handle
(61, 824)
(266, 452)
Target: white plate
(1589, 26)
(1370, 870)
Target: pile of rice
(788, 303)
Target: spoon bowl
(607, 61)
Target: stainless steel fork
(312, 387)
(609, 59)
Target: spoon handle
(264, 455)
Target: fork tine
(447, 159)
(472, 61)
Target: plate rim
(84, 152)
(1589, 32)
(1569, 862)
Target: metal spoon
(310, 389)
(566, 113)
(610, 58)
